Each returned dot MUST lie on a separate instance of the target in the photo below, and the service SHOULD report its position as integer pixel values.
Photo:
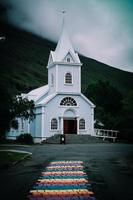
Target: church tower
(64, 67)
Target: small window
(82, 124)
(68, 78)
(68, 59)
(68, 101)
(54, 124)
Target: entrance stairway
(74, 139)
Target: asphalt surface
(109, 168)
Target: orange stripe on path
(64, 173)
(61, 192)
(81, 180)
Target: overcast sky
(100, 29)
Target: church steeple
(64, 67)
(64, 48)
(64, 45)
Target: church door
(70, 126)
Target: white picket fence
(106, 134)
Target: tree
(128, 103)
(11, 108)
(108, 101)
(5, 99)
(106, 96)
(127, 112)
(21, 108)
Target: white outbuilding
(60, 107)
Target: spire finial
(63, 12)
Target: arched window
(81, 124)
(68, 77)
(68, 101)
(54, 124)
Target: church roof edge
(63, 63)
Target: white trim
(28, 126)
(82, 130)
(68, 84)
(52, 79)
(64, 63)
(69, 93)
(57, 73)
(62, 125)
(79, 80)
(42, 120)
(92, 121)
(68, 106)
(50, 59)
(54, 130)
(77, 125)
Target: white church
(60, 107)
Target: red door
(70, 126)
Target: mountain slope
(24, 57)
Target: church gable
(50, 60)
(69, 58)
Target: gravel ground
(109, 167)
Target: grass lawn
(8, 158)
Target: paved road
(109, 167)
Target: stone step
(74, 139)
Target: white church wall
(86, 112)
(75, 72)
(38, 124)
(32, 128)
(52, 79)
(35, 125)
(51, 111)
(54, 110)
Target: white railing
(106, 134)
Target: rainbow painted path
(62, 180)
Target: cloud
(101, 30)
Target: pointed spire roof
(64, 47)
(64, 44)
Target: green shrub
(25, 138)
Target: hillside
(24, 58)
